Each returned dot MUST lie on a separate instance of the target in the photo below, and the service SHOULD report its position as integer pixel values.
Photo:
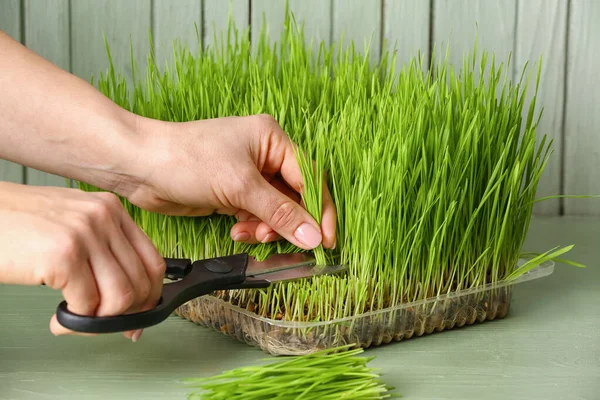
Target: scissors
(194, 279)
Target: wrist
(127, 168)
(107, 156)
(145, 142)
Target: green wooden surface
(122, 23)
(582, 124)
(541, 27)
(315, 14)
(46, 32)
(216, 17)
(460, 24)
(10, 23)
(406, 30)
(359, 21)
(548, 347)
(175, 20)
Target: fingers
(116, 294)
(57, 329)
(151, 260)
(129, 262)
(292, 178)
(253, 232)
(122, 283)
(328, 212)
(123, 266)
(78, 287)
(283, 187)
(142, 263)
(328, 219)
(290, 170)
(282, 214)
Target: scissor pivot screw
(218, 266)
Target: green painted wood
(314, 14)
(47, 33)
(548, 347)
(359, 21)
(122, 22)
(181, 21)
(10, 23)
(460, 23)
(216, 17)
(47, 30)
(406, 30)
(10, 18)
(582, 125)
(541, 30)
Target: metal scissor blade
(298, 272)
(278, 262)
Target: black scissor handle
(200, 278)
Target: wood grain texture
(175, 21)
(47, 33)
(460, 23)
(216, 17)
(10, 23)
(406, 30)
(359, 20)
(10, 18)
(582, 125)
(548, 347)
(541, 30)
(314, 14)
(122, 22)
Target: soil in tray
(366, 331)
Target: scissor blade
(278, 262)
(299, 272)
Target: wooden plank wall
(564, 32)
(11, 23)
(582, 124)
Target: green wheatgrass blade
(433, 174)
(330, 374)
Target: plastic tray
(397, 323)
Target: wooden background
(565, 33)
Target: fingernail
(334, 245)
(308, 235)
(270, 237)
(136, 335)
(242, 237)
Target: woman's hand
(84, 244)
(242, 166)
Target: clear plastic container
(374, 328)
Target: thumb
(282, 214)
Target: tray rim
(544, 269)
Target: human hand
(242, 166)
(84, 244)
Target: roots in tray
(367, 330)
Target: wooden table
(547, 348)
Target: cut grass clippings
(330, 374)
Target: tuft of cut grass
(329, 374)
(433, 173)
